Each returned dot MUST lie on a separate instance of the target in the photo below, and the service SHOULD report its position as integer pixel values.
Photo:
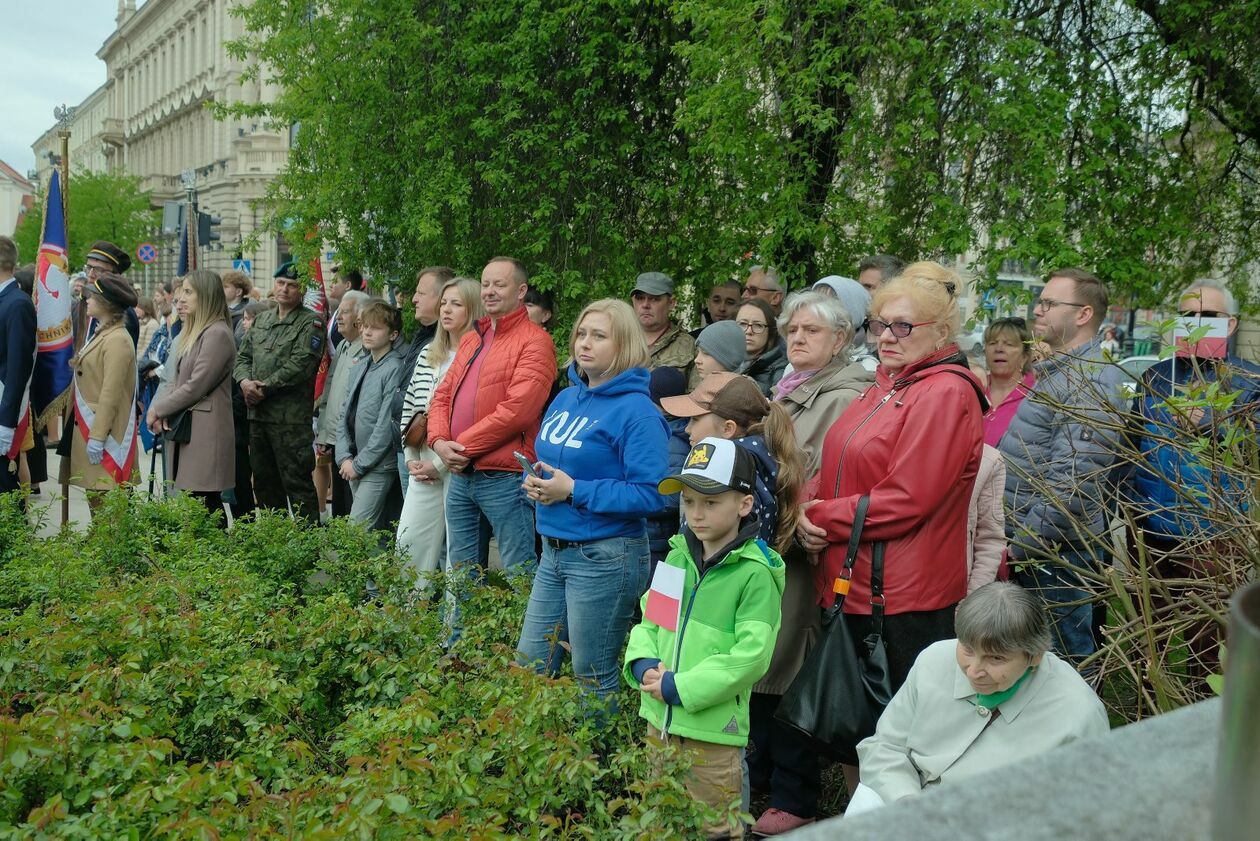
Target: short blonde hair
(932, 288)
(627, 334)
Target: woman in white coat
(422, 523)
(993, 696)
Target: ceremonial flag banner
(1205, 338)
(664, 602)
(51, 381)
(316, 300)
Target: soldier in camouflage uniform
(276, 367)
(669, 344)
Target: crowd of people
(682, 502)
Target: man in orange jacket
(488, 406)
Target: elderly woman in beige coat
(993, 696)
(103, 443)
(204, 354)
(818, 331)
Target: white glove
(95, 451)
(6, 440)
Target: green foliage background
(600, 139)
(159, 678)
(103, 205)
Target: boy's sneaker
(777, 822)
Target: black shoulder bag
(843, 685)
(179, 425)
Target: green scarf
(993, 699)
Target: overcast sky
(49, 58)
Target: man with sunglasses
(1059, 448)
(1172, 487)
(763, 282)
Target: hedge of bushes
(159, 677)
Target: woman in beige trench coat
(204, 354)
(102, 441)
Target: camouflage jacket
(283, 354)
(674, 349)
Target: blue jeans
(585, 595)
(404, 476)
(1071, 625)
(476, 504)
(484, 501)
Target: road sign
(246, 266)
(147, 252)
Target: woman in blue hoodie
(602, 450)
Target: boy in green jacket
(710, 619)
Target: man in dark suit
(17, 359)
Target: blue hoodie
(614, 443)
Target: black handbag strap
(877, 587)
(877, 567)
(850, 557)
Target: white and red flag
(1206, 338)
(664, 601)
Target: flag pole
(64, 114)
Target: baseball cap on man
(714, 466)
(654, 283)
(729, 396)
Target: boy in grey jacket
(365, 445)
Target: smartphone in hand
(525, 464)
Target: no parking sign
(146, 253)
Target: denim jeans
(476, 504)
(585, 595)
(1071, 625)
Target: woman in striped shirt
(422, 524)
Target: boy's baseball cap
(714, 466)
(729, 396)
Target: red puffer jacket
(514, 383)
(912, 442)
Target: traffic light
(206, 224)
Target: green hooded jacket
(728, 621)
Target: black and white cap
(714, 466)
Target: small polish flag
(1212, 334)
(664, 601)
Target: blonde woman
(422, 524)
(205, 465)
(602, 450)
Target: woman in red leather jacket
(911, 442)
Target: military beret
(113, 289)
(108, 252)
(287, 270)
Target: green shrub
(161, 677)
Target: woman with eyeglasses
(767, 355)
(1008, 354)
(911, 443)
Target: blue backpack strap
(764, 547)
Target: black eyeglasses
(1012, 321)
(1203, 314)
(1047, 304)
(900, 329)
(755, 289)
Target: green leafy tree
(103, 205)
(596, 140)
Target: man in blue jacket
(1174, 490)
(17, 359)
